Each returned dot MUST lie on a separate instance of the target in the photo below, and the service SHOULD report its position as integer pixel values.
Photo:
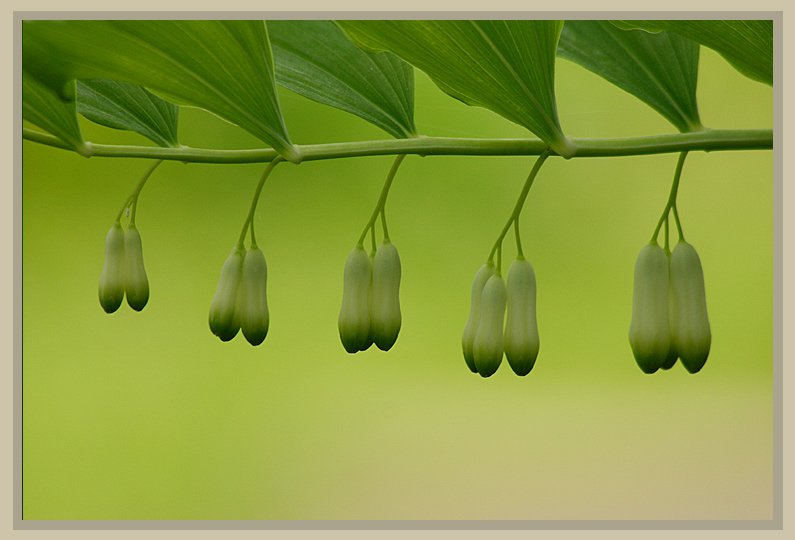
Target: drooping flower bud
(691, 332)
(136, 283)
(649, 332)
(254, 316)
(385, 318)
(471, 328)
(354, 317)
(487, 348)
(223, 321)
(111, 281)
(521, 330)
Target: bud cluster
(370, 311)
(669, 310)
(240, 301)
(123, 272)
(484, 339)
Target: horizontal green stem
(708, 140)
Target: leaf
(660, 69)
(43, 107)
(507, 67)
(222, 66)
(746, 45)
(130, 107)
(316, 60)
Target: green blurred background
(149, 416)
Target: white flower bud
(471, 328)
(385, 318)
(649, 333)
(224, 323)
(487, 347)
(111, 282)
(254, 316)
(691, 332)
(136, 283)
(354, 317)
(521, 330)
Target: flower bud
(691, 332)
(223, 321)
(649, 332)
(136, 284)
(471, 328)
(521, 329)
(487, 347)
(111, 282)
(354, 318)
(254, 316)
(385, 318)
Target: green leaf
(130, 107)
(316, 60)
(746, 45)
(507, 67)
(222, 66)
(660, 69)
(43, 107)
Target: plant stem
(382, 199)
(678, 224)
(250, 218)
(383, 224)
(133, 197)
(519, 254)
(671, 200)
(708, 140)
(517, 209)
